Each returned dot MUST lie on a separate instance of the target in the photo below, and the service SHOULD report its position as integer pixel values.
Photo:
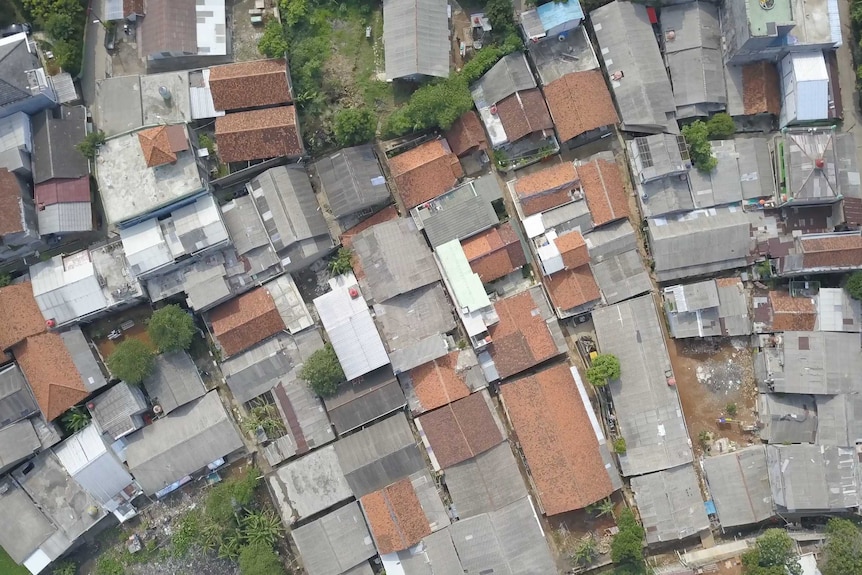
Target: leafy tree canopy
(697, 137)
(322, 371)
(842, 554)
(171, 328)
(132, 361)
(721, 126)
(354, 126)
(260, 559)
(603, 368)
(627, 545)
(272, 44)
(854, 285)
(774, 554)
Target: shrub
(65, 568)
(5, 279)
(227, 497)
(774, 553)
(273, 43)
(132, 361)
(341, 263)
(91, 143)
(854, 285)
(261, 528)
(620, 445)
(697, 137)
(75, 420)
(721, 126)
(171, 328)
(603, 368)
(731, 409)
(354, 126)
(627, 545)
(260, 559)
(322, 371)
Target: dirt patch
(244, 34)
(130, 323)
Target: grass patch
(9, 567)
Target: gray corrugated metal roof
(647, 408)
(706, 309)
(185, 441)
(670, 504)
(485, 483)
(839, 420)
(379, 455)
(739, 486)
(406, 358)
(365, 399)
(30, 529)
(302, 411)
(334, 543)
(395, 259)
(511, 74)
(15, 61)
(309, 485)
(65, 217)
(628, 45)
(610, 240)
(437, 554)
(508, 541)
(668, 195)
(657, 156)
(17, 442)
(818, 362)
(352, 180)
(416, 38)
(84, 359)
(787, 417)
(55, 135)
(244, 225)
(16, 399)
(118, 410)
(621, 276)
(461, 213)
(812, 478)
(174, 382)
(409, 318)
(16, 133)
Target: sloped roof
(572, 288)
(250, 84)
(467, 134)
(118, 410)
(739, 486)
(51, 373)
(258, 134)
(580, 102)
(792, 313)
(524, 113)
(547, 188)
(175, 381)
(761, 88)
(62, 190)
(15, 60)
(170, 26)
(604, 190)
(11, 212)
(21, 315)
(670, 518)
(352, 180)
(442, 380)
(425, 172)
(160, 145)
(395, 517)
(573, 249)
(54, 141)
(461, 430)
(494, 253)
(416, 38)
(335, 543)
(509, 75)
(246, 320)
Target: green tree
(721, 126)
(842, 554)
(67, 55)
(261, 527)
(322, 371)
(75, 420)
(171, 328)
(501, 14)
(605, 507)
(627, 545)
(264, 416)
(586, 551)
(731, 409)
(697, 137)
(603, 368)
(132, 361)
(354, 126)
(91, 143)
(342, 262)
(61, 26)
(42, 10)
(5, 279)
(773, 554)
(260, 559)
(273, 44)
(65, 568)
(854, 285)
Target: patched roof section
(384, 215)
(439, 382)
(425, 172)
(558, 439)
(523, 113)
(467, 134)
(494, 253)
(21, 315)
(258, 134)
(461, 430)
(250, 84)
(572, 288)
(604, 190)
(395, 517)
(760, 89)
(792, 313)
(580, 102)
(10, 203)
(246, 320)
(51, 373)
(573, 249)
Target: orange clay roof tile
(425, 172)
(48, 366)
(580, 102)
(521, 339)
(604, 190)
(246, 320)
(437, 382)
(461, 430)
(395, 517)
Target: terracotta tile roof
(558, 440)
(604, 190)
(523, 113)
(51, 373)
(792, 313)
(258, 134)
(547, 188)
(246, 320)
(395, 517)
(838, 251)
(425, 172)
(160, 145)
(760, 89)
(133, 7)
(461, 430)
(521, 339)
(10, 203)
(21, 315)
(63, 190)
(250, 84)
(573, 249)
(580, 102)
(572, 288)
(437, 382)
(384, 215)
(494, 253)
(467, 134)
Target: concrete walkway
(847, 80)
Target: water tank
(165, 93)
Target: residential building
(485, 483)
(604, 190)
(546, 189)
(810, 362)
(467, 137)
(442, 381)
(425, 172)
(635, 68)
(786, 417)
(676, 518)
(365, 399)
(580, 106)
(472, 304)
(259, 135)
(753, 93)
(130, 10)
(805, 91)
(551, 20)
(352, 181)
(176, 29)
(495, 253)
(16, 399)
(812, 479)
(19, 233)
(416, 39)
(306, 486)
(16, 144)
(661, 163)
(174, 382)
(707, 309)
(567, 53)
(336, 543)
(128, 103)
(250, 240)
(27, 88)
(743, 173)
(229, 85)
(739, 486)
(616, 262)
(838, 252)
(119, 411)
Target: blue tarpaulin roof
(554, 14)
(710, 507)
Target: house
(16, 144)
(837, 311)
(781, 311)
(96, 468)
(425, 172)
(580, 106)
(485, 483)
(495, 253)
(646, 407)
(707, 309)
(616, 263)
(660, 163)
(306, 486)
(837, 252)
(229, 85)
(466, 137)
(250, 239)
(817, 167)
(245, 321)
(18, 224)
(119, 411)
(604, 191)
(635, 67)
(442, 381)
(128, 103)
(17, 401)
(421, 48)
(551, 20)
(567, 455)
(336, 543)
(526, 335)
(130, 10)
(743, 173)
(700, 243)
(692, 49)
(365, 399)
(739, 486)
(435, 551)
(753, 93)
(345, 317)
(570, 283)
(174, 381)
(818, 362)
(812, 479)
(51, 512)
(786, 417)
(560, 55)
(180, 28)
(60, 172)
(545, 189)
(26, 86)
(674, 518)
(510, 105)
(352, 181)
(124, 163)
(198, 436)
(19, 443)
(805, 91)
(259, 135)
(460, 430)
(461, 212)
(402, 514)
(21, 315)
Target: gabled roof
(580, 102)
(511, 74)
(258, 135)
(739, 486)
(250, 84)
(461, 212)
(62, 191)
(15, 60)
(761, 88)
(54, 141)
(570, 289)
(670, 518)
(174, 382)
(792, 313)
(604, 190)
(807, 477)
(51, 373)
(524, 113)
(467, 134)
(395, 517)
(445, 379)
(246, 320)
(160, 145)
(494, 253)
(824, 253)
(170, 26)
(118, 410)
(21, 315)
(16, 400)
(11, 207)
(425, 172)
(335, 543)
(352, 180)
(416, 38)
(547, 188)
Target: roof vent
(767, 4)
(50, 323)
(91, 405)
(354, 293)
(669, 37)
(819, 163)
(493, 110)
(617, 76)
(157, 409)
(165, 93)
